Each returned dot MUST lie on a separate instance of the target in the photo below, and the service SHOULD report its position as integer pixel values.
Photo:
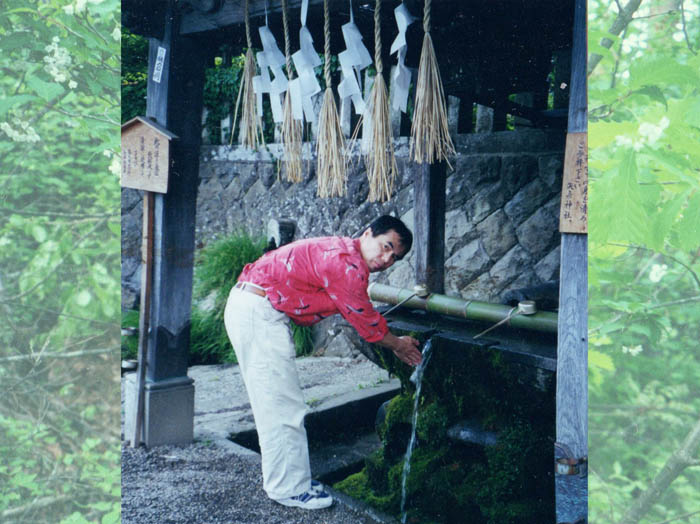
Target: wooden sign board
(145, 155)
(573, 214)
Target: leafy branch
(674, 466)
(624, 17)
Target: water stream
(417, 379)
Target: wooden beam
(232, 12)
(572, 346)
(174, 100)
(429, 225)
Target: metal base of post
(168, 411)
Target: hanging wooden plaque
(573, 214)
(145, 155)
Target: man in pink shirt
(306, 281)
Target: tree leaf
(83, 298)
(653, 92)
(46, 90)
(689, 225)
(600, 360)
(631, 223)
(8, 103)
(39, 233)
(657, 70)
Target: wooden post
(572, 362)
(429, 225)
(174, 101)
(144, 317)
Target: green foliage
(209, 343)
(303, 339)
(134, 75)
(59, 262)
(217, 267)
(644, 261)
(130, 342)
(221, 86)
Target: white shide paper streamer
(352, 61)
(270, 59)
(305, 86)
(401, 80)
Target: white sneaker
(316, 486)
(308, 500)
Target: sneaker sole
(320, 504)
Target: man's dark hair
(386, 223)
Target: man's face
(382, 251)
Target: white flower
(115, 167)
(80, 5)
(117, 33)
(634, 351)
(625, 141)
(107, 153)
(653, 132)
(72, 84)
(27, 133)
(68, 9)
(657, 272)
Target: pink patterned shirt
(318, 277)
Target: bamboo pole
(544, 321)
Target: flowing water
(417, 379)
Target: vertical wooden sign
(573, 214)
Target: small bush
(217, 267)
(130, 343)
(303, 340)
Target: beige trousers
(263, 344)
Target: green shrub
(217, 267)
(130, 343)
(303, 340)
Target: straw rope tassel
(331, 168)
(250, 121)
(379, 159)
(291, 128)
(430, 138)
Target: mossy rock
(357, 486)
(432, 424)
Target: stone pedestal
(168, 411)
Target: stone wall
(502, 208)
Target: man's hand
(405, 348)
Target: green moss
(357, 486)
(511, 483)
(432, 423)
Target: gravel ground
(205, 483)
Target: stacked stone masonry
(502, 209)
